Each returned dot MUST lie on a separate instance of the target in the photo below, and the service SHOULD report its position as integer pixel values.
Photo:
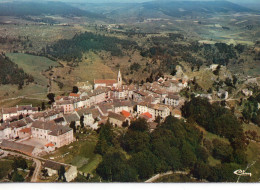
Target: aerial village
(27, 130)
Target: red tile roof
(105, 81)
(26, 130)
(177, 112)
(147, 114)
(74, 95)
(49, 145)
(125, 113)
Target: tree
(145, 163)
(114, 167)
(188, 157)
(174, 71)
(61, 173)
(217, 70)
(222, 151)
(82, 121)
(125, 123)
(16, 177)
(19, 163)
(105, 139)
(223, 173)
(20, 117)
(43, 106)
(157, 119)
(135, 141)
(31, 168)
(73, 126)
(139, 125)
(200, 171)
(51, 97)
(202, 154)
(45, 173)
(75, 89)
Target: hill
(10, 73)
(161, 9)
(42, 8)
(184, 8)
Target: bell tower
(119, 79)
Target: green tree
(105, 139)
(145, 163)
(16, 177)
(222, 150)
(73, 126)
(51, 97)
(61, 173)
(188, 157)
(75, 89)
(200, 171)
(43, 106)
(114, 167)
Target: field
(80, 154)
(5, 167)
(92, 67)
(23, 101)
(33, 65)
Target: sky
(137, 1)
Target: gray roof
(116, 116)
(55, 130)
(84, 111)
(27, 149)
(52, 165)
(71, 117)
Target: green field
(33, 65)
(80, 154)
(5, 167)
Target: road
(157, 176)
(37, 170)
(37, 162)
(227, 100)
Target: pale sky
(134, 1)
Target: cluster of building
(109, 100)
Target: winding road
(157, 176)
(36, 171)
(37, 162)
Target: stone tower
(119, 79)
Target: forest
(73, 49)
(174, 145)
(169, 52)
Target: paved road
(37, 162)
(157, 176)
(37, 170)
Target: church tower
(119, 79)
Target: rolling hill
(163, 8)
(18, 8)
